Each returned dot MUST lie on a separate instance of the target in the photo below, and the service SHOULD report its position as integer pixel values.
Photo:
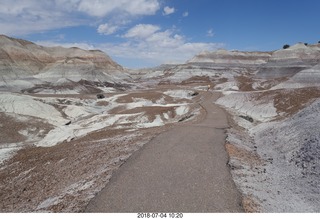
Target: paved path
(181, 170)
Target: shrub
(248, 118)
(305, 44)
(100, 96)
(286, 46)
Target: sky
(147, 33)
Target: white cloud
(210, 33)
(102, 8)
(167, 10)
(142, 31)
(153, 46)
(185, 14)
(107, 29)
(19, 17)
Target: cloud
(102, 8)
(107, 29)
(153, 46)
(167, 10)
(185, 14)
(20, 17)
(210, 33)
(142, 31)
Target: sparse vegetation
(286, 46)
(248, 118)
(100, 96)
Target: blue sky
(144, 33)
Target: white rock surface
(26, 105)
(305, 78)
(245, 104)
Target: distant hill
(287, 62)
(24, 64)
(234, 58)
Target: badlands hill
(24, 64)
(233, 58)
(289, 61)
(57, 137)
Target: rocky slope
(24, 64)
(287, 62)
(231, 58)
(309, 77)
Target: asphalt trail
(181, 170)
